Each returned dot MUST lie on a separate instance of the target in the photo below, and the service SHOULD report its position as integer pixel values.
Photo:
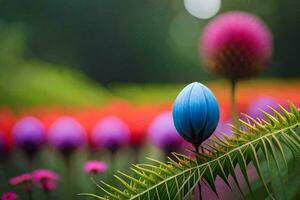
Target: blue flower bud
(195, 113)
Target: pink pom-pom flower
(45, 178)
(94, 167)
(236, 45)
(9, 196)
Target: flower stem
(137, 151)
(68, 176)
(30, 196)
(112, 166)
(199, 183)
(233, 103)
(47, 194)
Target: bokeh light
(203, 9)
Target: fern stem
(233, 84)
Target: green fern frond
(177, 178)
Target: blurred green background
(56, 51)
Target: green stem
(47, 194)
(68, 168)
(233, 103)
(112, 166)
(31, 161)
(30, 196)
(137, 151)
(199, 183)
(93, 175)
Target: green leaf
(177, 178)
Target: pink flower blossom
(94, 167)
(25, 178)
(45, 178)
(9, 196)
(236, 45)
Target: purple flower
(236, 45)
(262, 103)
(9, 196)
(66, 135)
(163, 133)
(223, 127)
(110, 133)
(29, 134)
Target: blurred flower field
(135, 108)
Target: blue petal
(212, 114)
(181, 114)
(198, 112)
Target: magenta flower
(94, 167)
(236, 45)
(9, 196)
(262, 103)
(29, 135)
(24, 180)
(110, 133)
(21, 179)
(66, 135)
(45, 178)
(163, 134)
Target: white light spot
(203, 9)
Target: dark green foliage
(258, 141)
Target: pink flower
(45, 178)
(236, 45)
(25, 178)
(94, 167)
(9, 196)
